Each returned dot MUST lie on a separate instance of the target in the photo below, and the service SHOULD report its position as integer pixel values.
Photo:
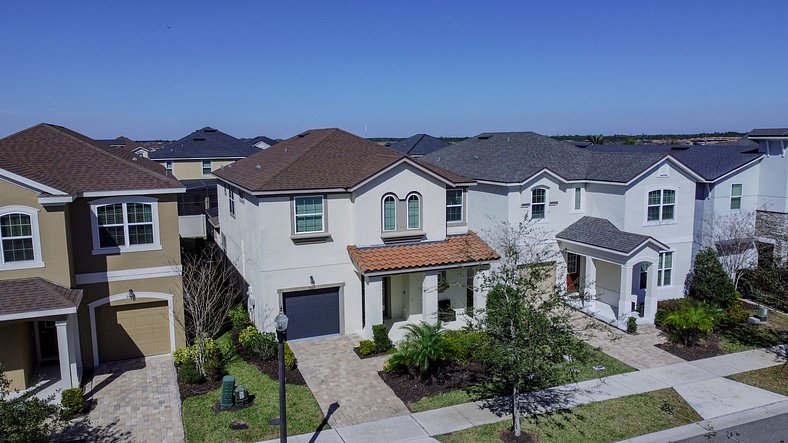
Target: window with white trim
(661, 205)
(389, 213)
(125, 224)
(578, 199)
(736, 189)
(206, 167)
(168, 165)
(16, 232)
(231, 199)
(414, 211)
(665, 269)
(538, 203)
(454, 211)
(308, 214)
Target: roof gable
(205, 143)
(419, 144)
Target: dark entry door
(312, 313)
(47, 340)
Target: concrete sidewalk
(700, 382)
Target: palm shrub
(692, 322)
(424, 350)
(709, 282)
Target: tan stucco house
(89, 256)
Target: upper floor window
(665, 269)
(454, 210)
(168, 165)
(736, 196)
(661, 205)
(308, 214)
(125, 224)
(577, 199)
(538, 203)
(389, 213)
(414, 211)
(206, 167)
(231, 199)
(20, 245)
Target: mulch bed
(507, 436)
(411, 389)
(710, 347)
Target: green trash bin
(228, 388)
(241, 395)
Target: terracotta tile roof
(24, 295)
(318, 159)
(455, 250)
(72, 163)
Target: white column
(589, 280)
(479, 291)
(63, 351)
(74, 349)
(429, 297)
(625, 292)
(650, 308)
(373, 304)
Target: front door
(47, 340)
(572, 272)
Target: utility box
(228, 387)
(241, 395)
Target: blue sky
(161, 69)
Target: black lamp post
(280, 323)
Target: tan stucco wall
(86, 262)
(192, 169)
(167, 285)
(17, 352)
(52, 229)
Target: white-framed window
(414, 211)
(206, 167)
(308, 214)
(572, 261)
(661, 205)
(231, 199)
(577, 199)
(125, 224)
(454, 210)
(20, 242)
(389, 213)
(665, 269)
(538, 203)
(168, 165)
(736, 189)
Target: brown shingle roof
(317, 159)
(72, 163)
(35, 294)
(456, 249)
(128, 151)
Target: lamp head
(280, 322)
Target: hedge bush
(239, 317)
(632, 325)
(463, 345)
(72, 402)
(290, 359)
(709, 282)
(189, 374)
(213, 365)
(261, 344)
(367, 347)
(380, 334)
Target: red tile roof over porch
(455, 250)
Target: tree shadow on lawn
(553, 405)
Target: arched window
(389, 213)
(538, 203)
(16, 231)
(414, 211)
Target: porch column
(429, 297)
(590, 278)
(479, 292)
(65, 351)
(373, 304)
(650, 307)
(625, 292)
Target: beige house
(89, 257)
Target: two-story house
(89, 257)
(342, 234)
(626, 222)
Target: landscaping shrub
(189, 374)
(239, 317)
(261, 344)
(734, 316)
(182, 355)
(424, 350)
(367, 347)
(395, 365)
(72, 402)
(290, 359)
(709, 282)
(380, 334)
(213, 366)
(665, 307)
(632, 325)
(464, 344)
(692, 322)
(249, 338)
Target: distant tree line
(627, 138)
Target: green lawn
(595, 357)
(746, 337)
(773, 379)
(202, 424)
(606, 421)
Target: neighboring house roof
(419, 144)
(127, 149)
(456, 249)
(513, 157)
(258, 139)
(71, 163)
(602, 233)
(205, 143)
(319, 159)
(27, 295)
(708, 161)
(768, 132)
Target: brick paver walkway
(135, 401)
(336, 375)
(636, 350)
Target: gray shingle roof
(513, 157)
(205, 143)
(769, 132)
(602, 233)
(34, 294)
(419, 144)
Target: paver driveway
(135, 401)
(335, 374)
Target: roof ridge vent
(484, 136)
(679, 148)
(209, 130)
(303, 134)
(198, 139)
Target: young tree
(733, 237)
(210, 290)
(525, 317)
(709, 282)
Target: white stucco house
(343, 234)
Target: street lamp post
(280, 322)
